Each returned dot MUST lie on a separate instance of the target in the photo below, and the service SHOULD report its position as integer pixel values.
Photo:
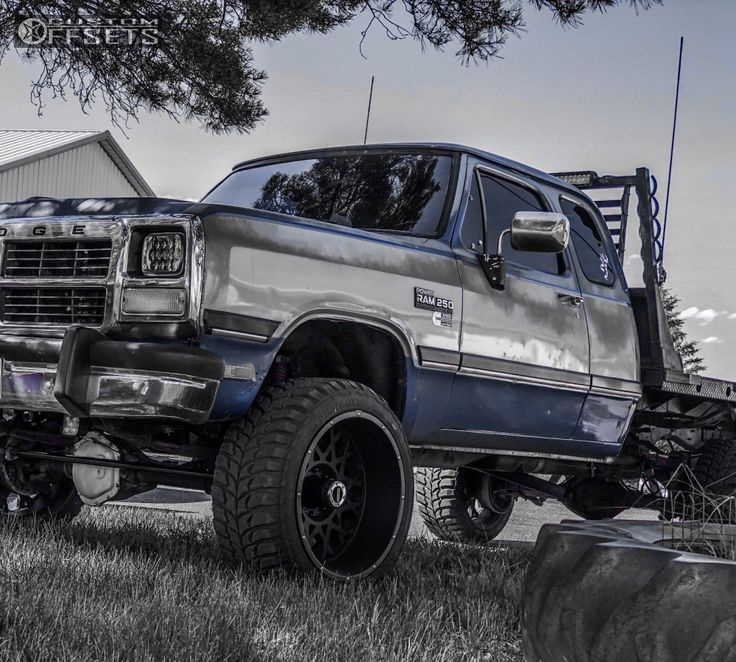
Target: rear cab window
(593, 252)
(398, 192)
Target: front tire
(317, 477)
(449, 506)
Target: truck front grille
(52, 305)
(88, 258)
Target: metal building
(66, 164)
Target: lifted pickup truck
(323, 320)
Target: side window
(503, 199)
(592, 252)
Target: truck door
(614, 348)
(524, 372)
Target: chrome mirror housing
(540, 232)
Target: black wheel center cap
(336, 493)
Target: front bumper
(87, 374)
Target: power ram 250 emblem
(441, 308)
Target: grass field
(125, 584)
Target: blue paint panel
(480, 403)
(605, 419)
(235, 396)
(428, 394)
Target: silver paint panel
(614, 344)
(526, 323)
(291, 270)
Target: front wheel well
(345, 350)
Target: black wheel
(449, 506)
(58, 501)
(317, 477)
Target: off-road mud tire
(716, 467)
(259, 474)
(707, 494)
(443, 501)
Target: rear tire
(716, 467)
(317, 477)
(452, 512)
(715, 472)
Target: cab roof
(520, 168)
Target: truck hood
(52, 209)
(45, 207)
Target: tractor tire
(606, 592)
(317, 477)
(450, 511)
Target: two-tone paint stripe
(523, 373)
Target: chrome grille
(88, 258)
(52, 305)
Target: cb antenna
(368, 116)
(672, 143)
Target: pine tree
(687, 349)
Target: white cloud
(712, 340)
(732, 316)
(705, 316)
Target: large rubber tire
(276, 498)
(451, 512)
(606, 592)
(61, 502)
(707, 493)
(716, 467)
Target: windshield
(394, 192)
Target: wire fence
(700, 520)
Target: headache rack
(661, 366)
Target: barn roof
(19, 147)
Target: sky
(595, 97)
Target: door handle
(570, 299)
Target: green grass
(127, 584)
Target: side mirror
(540, 232)
(533, 231)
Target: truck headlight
(163, 254)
